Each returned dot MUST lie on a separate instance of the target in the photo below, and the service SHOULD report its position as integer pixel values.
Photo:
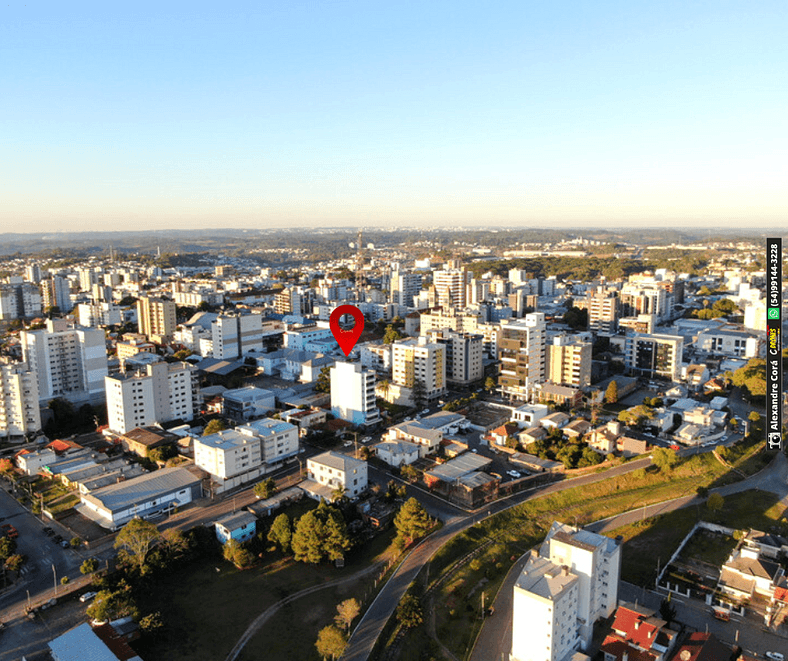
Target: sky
(152, 115)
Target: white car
(347, 444)
(775, 656)
(87, 596)
(514, 474)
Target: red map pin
(346, 338)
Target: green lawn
(206, 611)
(708, 547)
(656, 539)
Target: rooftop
(544, 578)
(337, 460)
(122, 495)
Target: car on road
(64, 544)
(48, 531)
(87, 596)
(514, 474)
(474, 450)
(347, 444)
(57, 539)
(366, 439)
(775, 656)
(425, 412)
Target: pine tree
(281, 533)
(412, 521)
(611, 394)
(307, 539)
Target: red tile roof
(617, 647)
(702, 647)
(636, 627)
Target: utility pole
(54, 573)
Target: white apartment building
(451, 320)
(563, 590)
(19, 300)
(544, 612)
(163, 392)
(733, 343)
(100, 313)
(333, 471)
(419, 360)
(522, 351)
(450, 287)
(69, 361)
(602, 306)
(236, 456)
(404, 286)
(353, 393)
(596, 561)
(233, 336)
(463, 355)
(19, 412)
(56, 292)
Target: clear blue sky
(258, 114)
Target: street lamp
(54, 573)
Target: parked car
(57, 539)
(64, 544)
(775, 656)
(514, 474)
(87, 596)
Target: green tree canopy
(281, 533)
(347, 611)
(715, 502)
(664, 458)
(237, 553)
(331, 642)
(323, 383)
(215, 425)
(409, 611)
(89, 566)
(136, 539)
(412, 520)
(752, 377)
(109, 605)
(265, 488)
(391, 335)
(320, 534)
(611, 394)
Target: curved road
(369, 628)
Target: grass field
(208, 604)
(654, 540)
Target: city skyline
(345, 114)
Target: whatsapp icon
(774, 313)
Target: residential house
(700, 646)
(332, 471)
(397, 453)
(428, 439)
(637, 634)
(745, 573)
(240, 526)
(555, 420)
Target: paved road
(366, 633)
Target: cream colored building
(569, 362)
(19, 412)
(417, 359)
(156, 318)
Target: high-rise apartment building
(33, 273)
(19, 411)
(19, 301)
(521, 351)
(156, 318)
(233, 335)
(56, 292)
(163, 392)
(417, 360)
(463, 355)
(353, 393)
(562, 591)
(404, 286)
(450, 320)
(569, 362)
(654, 355)
(449, 286)
(69, 361)
(602, 306)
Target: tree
(7, 548)
(490, 384)
(347, 611)
(14, 562)
(162, 453)
(364, 453)
(664, 458)
(152, 624)
(409, 473)
(137, 538)
(331, 642)
(238, 554)
(576, 318)
(319, 534)
(89, 566)
(323, 383)
(384, 385)
(6, 466)
(754, 417)
(109, 605)
(339, 495)
(265, 488)
(281, 533)
(391, 335)
(715, 502)
(667, 611)
(215, 425)
(611, 394)
(752, 377)
(409, 612)
(75, 542)
(419, 393)
(412, 521)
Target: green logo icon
(774, 313)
